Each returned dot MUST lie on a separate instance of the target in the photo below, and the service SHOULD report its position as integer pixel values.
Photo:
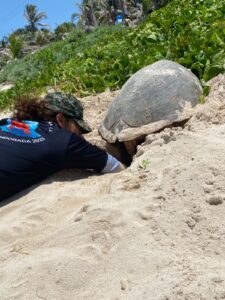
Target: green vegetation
(63, 28)
(15, 45)
(144, 164)
(189, 32)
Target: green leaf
(217, 40)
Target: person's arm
(83, 155)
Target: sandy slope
(155, 231)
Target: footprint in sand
(89, 251)
(131, 184)
(125, 284)
(79, 216)
(103, 240)
(148, 214)
(32, 221)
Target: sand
(156, 231)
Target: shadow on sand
(61, 176)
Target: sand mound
(154, 231)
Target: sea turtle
(157, 96)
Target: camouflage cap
(68, 105)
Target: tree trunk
(32, 27)
(95, 23)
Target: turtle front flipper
(118, 150)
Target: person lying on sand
(43, 137)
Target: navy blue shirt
(30, 151)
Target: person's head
(69, 112)
(62, 108)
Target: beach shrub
(15, 45)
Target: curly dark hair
(32, 108)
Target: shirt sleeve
(81, 154)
